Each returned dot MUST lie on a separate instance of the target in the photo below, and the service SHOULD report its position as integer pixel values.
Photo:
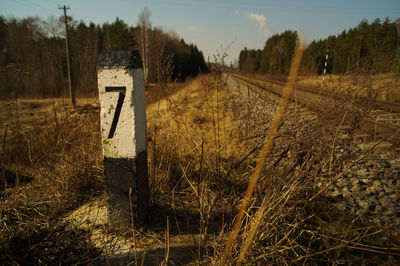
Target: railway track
(383, 119)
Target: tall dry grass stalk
(253, 229)
(287, 91)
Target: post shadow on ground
(183, 220)
(176, 256)
(182, 223)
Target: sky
(218, 26)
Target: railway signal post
(123, 130)
(325, 66)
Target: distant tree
(32, 49)
(396, 63)
(275, 58)
(397, 25)
(370, 46)
(117, 36)
(145, 25)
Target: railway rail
(383, 120)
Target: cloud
(261, 21)
(192, 28)
(237, 12)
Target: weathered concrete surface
(123, 131)
(129, 138)
(121, 175)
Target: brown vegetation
(50, 164)
(384, 87)
(204, 141)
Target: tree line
(369, 46)
(33, 56)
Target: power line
(27, 5)
(38, 5)
(35, 6)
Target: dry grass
(204, 140)
(51, 164)
(205, 143)
(385, 87)
(287, 91)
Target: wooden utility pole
(71, 92)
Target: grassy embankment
(204, 141)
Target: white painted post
(325, 66)
(123, 130)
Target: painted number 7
(121, 97)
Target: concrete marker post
(123, 130)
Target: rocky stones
(371, 186)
